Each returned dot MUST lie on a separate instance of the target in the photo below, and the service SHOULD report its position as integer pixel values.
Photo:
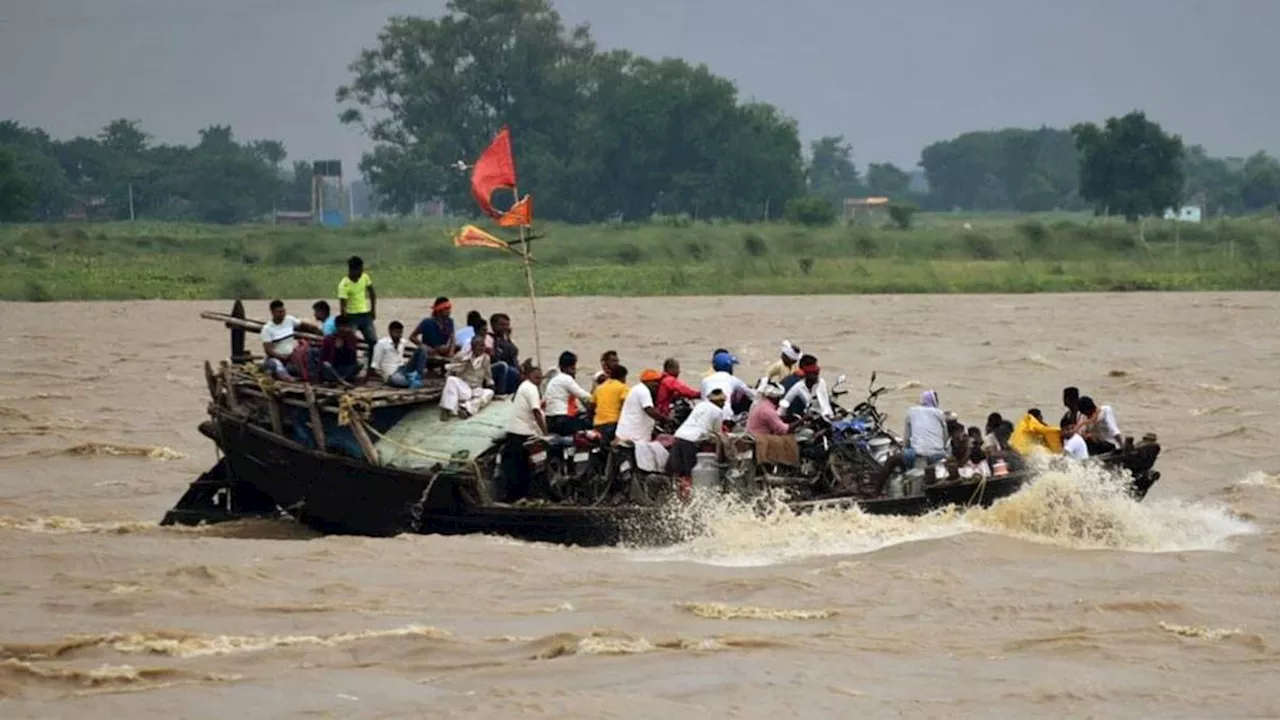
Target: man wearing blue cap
(737, 393)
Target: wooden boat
(330, 458)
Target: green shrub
(901, 214)
(980, 247)
(754, 245)
(242, 287)
(810, 211)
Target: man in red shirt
(671, 388)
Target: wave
(721, 611)
(183, 645)
(613, 642)
(56, 524)
(1080, 508)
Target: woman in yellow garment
(607, 399)
(1031, 432)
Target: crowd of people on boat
(480, 361)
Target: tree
(888, 180)
(1009, 169)
(595, 134)
(1261, 182)
(1212, 181)
(16, 198)
(832, 174)
(1130, 166)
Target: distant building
(1186, 213)
(866, 210)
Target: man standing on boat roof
(358, 301)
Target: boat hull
(336, 494)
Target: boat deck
(247, 381)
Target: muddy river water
(1063, 600)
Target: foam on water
(1078, 508)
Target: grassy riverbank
(946, 253)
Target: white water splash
(1078, 508)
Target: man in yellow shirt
(358, 301)
(607, 399)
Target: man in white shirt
(639, 419)
(811, 391)
(723, 379)
(281, 349)
(566, 403)
(706, 419)
(1098, 426)
(527, 421)
(1073, 445)
(388, 352)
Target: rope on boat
(354, 409)
(979, 490)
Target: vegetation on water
(940, 254)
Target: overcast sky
(891, 75)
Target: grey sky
(891, 75)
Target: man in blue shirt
(436, 333)
(324, 317)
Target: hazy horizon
(890, 78)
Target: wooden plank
(211, 380)
(317, 422)
(233, 402)
(362, 437)
(237, 333)
(277, 421)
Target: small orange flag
(472, 236)
(520, 214)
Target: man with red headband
(435, 334)
(810, 391)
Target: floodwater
(1064, 600)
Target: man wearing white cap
(784, 365)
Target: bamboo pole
(362, 437)
(232, 401)
(317, 423)
(528, 277)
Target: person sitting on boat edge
(738, 394)
(468, 383)
(926, 432)
(358, 301)
(764, 418)
(639, 421)
(1098, 426)
(671, 387)
(608, 400)
(388, 356)
(527, 421)
(608, 361)
(811, 390)
(475, 325)
(784, 365)
(1073, 444)
(434, 335)
(283, 352)
(324, 317)
(566, 404)
(339, 360)
(705, 421)
(997, 433)
(504, 354)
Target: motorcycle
(575, 465)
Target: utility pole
(131, 215)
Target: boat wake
(1078, 508)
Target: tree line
(121, 173)
(609, 134)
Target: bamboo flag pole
(528, 276)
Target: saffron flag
(520, 214)
(472, 236)
(494, 170)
